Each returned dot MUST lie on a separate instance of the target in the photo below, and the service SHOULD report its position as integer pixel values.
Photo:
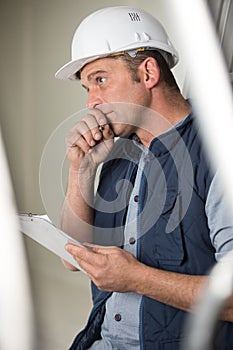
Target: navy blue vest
(173, 230)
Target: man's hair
(166, 75)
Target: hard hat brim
(69, 70)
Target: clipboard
(43, 231)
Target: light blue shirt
(120, 329)
(220, 220)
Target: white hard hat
(112, 30)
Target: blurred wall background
(35, 41)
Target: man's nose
(93, 100)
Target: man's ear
(150, 72)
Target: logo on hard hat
(134, 16)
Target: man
(158, 214)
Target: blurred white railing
(16, 311)
(201, 325)
(209, 86)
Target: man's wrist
(79, 170)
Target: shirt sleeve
(220, 219)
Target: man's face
(108, 81)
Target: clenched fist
(89, 141)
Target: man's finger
(81, 253)
(99, 249)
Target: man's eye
(101, 80)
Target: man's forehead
(105, 64)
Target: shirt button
(132, 240)
(117, 317)
(136, 198)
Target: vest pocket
(169, 246)
(163, 244)
(171, 345)
(168, 249)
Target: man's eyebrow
(92, 75)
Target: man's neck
(162, 116)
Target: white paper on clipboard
(43, 231)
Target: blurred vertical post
(16, 311)
(208, 83)
(209, 86)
